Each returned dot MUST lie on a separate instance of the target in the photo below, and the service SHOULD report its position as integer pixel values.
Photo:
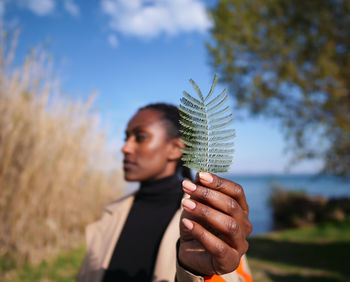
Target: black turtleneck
(134, 256)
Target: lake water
(258, 188)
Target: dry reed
(56, 168)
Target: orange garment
(214, 278)
(240, 271)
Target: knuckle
(204, 212)
(232, 226)
(250, 228)
(201, 235)
(232, 206)
(219, 183)
(206, 193)
(243, 247)
(220, 250)
(239, 190)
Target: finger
(213, 198)
(219, 201)
(215, 220)
(220, 251)
(225, 186)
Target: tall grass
(56, 168)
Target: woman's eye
(140, 137)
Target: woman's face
(148, 152)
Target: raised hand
(214, 225)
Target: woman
(138, 237)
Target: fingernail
(188, 224)
(206, 177)
(188, 185)
(187, 203)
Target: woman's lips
(129, 165)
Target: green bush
(297, 208)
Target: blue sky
(134, 52)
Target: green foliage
(296, 208)
(205, 130)
(63, 268)
(290, 60)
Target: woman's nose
(128, 146)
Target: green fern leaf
(188, 110)
(212, 88)
(192, 99)
(222, 125)
(205, 130)
(218, 105)
(219, 113)
(217, 98)
(222, 132)
(196, 88)
(222, 138)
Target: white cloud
(72, 8)
(113, 41)
(40, 7)
(150, 18)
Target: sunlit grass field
(318, 253)
(63, 268)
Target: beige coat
(102, 236)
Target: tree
(290, 60)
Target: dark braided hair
(171, 117)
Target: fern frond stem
(206, 137)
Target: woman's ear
(175, 149)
